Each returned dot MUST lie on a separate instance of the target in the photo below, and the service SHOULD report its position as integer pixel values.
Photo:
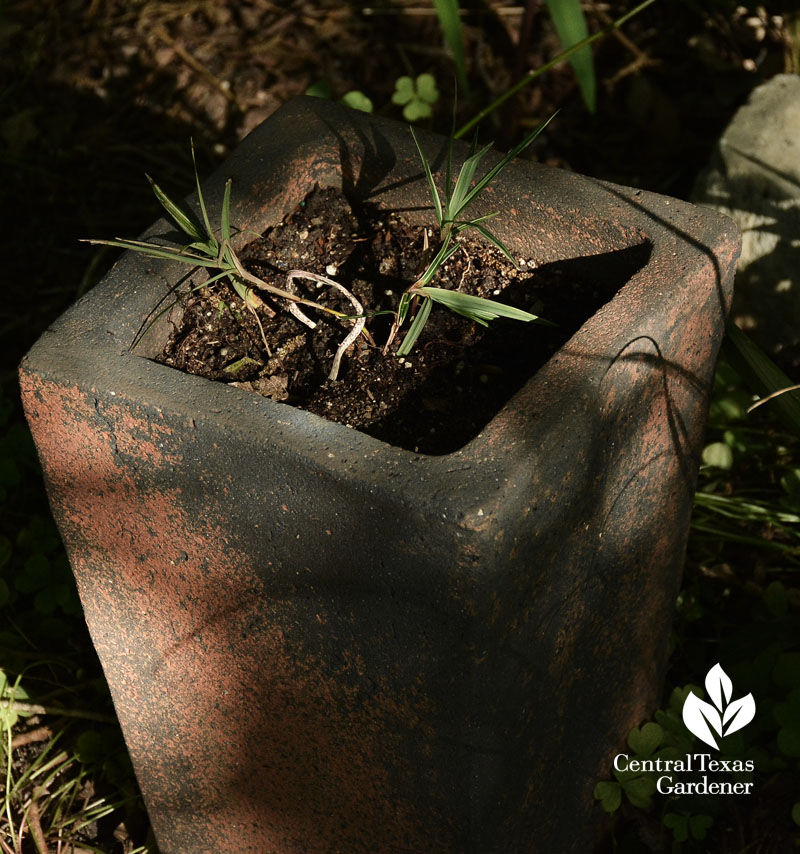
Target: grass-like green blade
(226, 213)
(493, 239)
(469, 223)
(402, 309)
(533, 75)
(154, 251)
(206, 221)
(498, 168)
(761, 374)
(437, 202)
(477, 307)
(723, 534)
(480, 318)
(448, 177)
(570, 24)
(416, 328)
(184, 222)
(239, 286)
(213, 279)
(463, 181)
(205, 247)
(749, 511)
(447, 12)
(445, 251)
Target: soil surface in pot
(458, 375)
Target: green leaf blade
(226, 213)
(478, 307)
(357, 100)
(152, 250)
(507, 158)
(403, 90)
(762, 374)
(416, 328)
(492, 238)
(442, 256)
(463, 182)
(437, 202)
(570, 24)
(184, 221)
(449, 21)
(210, 239)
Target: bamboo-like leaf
(447, 248)
(402, 309)
(477, 306)
(448, 178)
(226, 213)
(239, 286)
(472, 222)
(416, 328)
(463, 181)
(447, 12)
(184, 221)
(210, 281)
(204, 246)
(437, 202)
(570, 24)
(207, 222)
(228, 259)
(498, 168)
(152, 250)
(492, 238)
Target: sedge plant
(214, 251)
(450, 211)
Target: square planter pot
(317, 642)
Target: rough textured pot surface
(317, 642)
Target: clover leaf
(417, 97)
(609, 794)
(357, 100)
(644, 741)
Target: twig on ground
(220, 85)
(42, 733)
(35, 823)
(35, 709)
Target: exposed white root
(294, 310)
(358, 326)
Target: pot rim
(689, 272)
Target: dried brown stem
(35, 823)
(35, 709)
(42, 733)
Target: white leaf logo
(723, 717)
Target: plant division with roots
(206, 249)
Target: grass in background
(740, 606)
(65, 777)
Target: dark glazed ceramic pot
(317, 642)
